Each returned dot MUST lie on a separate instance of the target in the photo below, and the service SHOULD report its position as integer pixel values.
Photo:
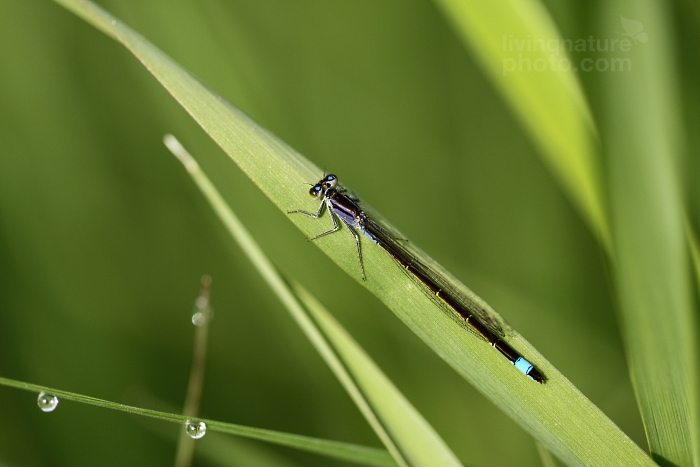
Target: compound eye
(315, 191)
(331, 180)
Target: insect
(345, 208)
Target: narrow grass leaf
(555, 413)
(421, 445)
(643, 143)
(185, 445)
(549, 102)
(346, 451)
(409, 438)
(362, 371)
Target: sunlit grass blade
(643, 143)
(346, 451)
(555, 413)
(557, 400)
(549, 103)
(409, 438)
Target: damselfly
(346, 208)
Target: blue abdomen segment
(523, 365)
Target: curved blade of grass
(652, 271)
(555, 413)
(385, 400)
(339, 450)
(379, 401)
(550, 104)
(407, 436)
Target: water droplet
(195, 429)
(198, 319)
(47, 402)
(114, 22)
(201, 302)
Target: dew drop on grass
(47, 402)
(195, 429)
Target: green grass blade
(185, 445)
(365, 376)
(652, 268)
(409, 438)
(555, 413)
(421, 445)
(550, 104)
(346, 451)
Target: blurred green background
(103, 236)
